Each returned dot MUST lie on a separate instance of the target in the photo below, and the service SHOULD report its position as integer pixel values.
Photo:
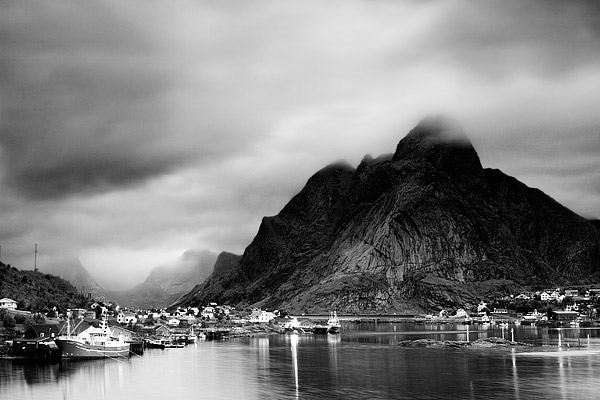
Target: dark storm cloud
(75, 87)
(99, 95)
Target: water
(365, 362)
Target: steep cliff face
(425, 228)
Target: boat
(154, 344)
(333, 324)
(94, 342)
(320, 329)
(191, 338)
(172, 344)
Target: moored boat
(154, 344)
(320, 329)
(333, 324)
(92, 343)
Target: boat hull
(320, 329)
(75, 349)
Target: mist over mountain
(165, 284)
(73, 271)
(424, 228)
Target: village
(31, 334)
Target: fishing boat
(94, 342)
(333, 324)
(192, 338)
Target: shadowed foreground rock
(493, 342)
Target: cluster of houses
(175, 318)
(186, 317)
(32, 340)
(566, 305)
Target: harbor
(366, 359)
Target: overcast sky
(133, 131)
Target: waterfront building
(461, 313)
(162, 330)
(42, 331)
(564, 316)
(261, 316)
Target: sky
(134, 131)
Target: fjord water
(366, 361)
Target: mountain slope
(426, 227)
(38, 291)
(73, 271)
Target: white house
(208, 312)
(461, 313)
(173, 322)
(8, 304)
(261, 316)
(126, 317)
(545, 296)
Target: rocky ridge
(425, 228)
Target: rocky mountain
(224, 267)
(166, 284)
(423, 229)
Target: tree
(8, 321)
(98, 312)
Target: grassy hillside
(37, 291)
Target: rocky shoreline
(486, 343)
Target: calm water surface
(364, 362)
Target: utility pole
(35, 268)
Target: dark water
(365, 362)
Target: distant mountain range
(162, 287)
(166, 284)
(424, 228)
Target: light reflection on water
(364, 362)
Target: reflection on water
(364, 362)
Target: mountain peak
(440, 141)
(441, 129)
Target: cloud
(131, 132)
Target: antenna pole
(35, 268)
